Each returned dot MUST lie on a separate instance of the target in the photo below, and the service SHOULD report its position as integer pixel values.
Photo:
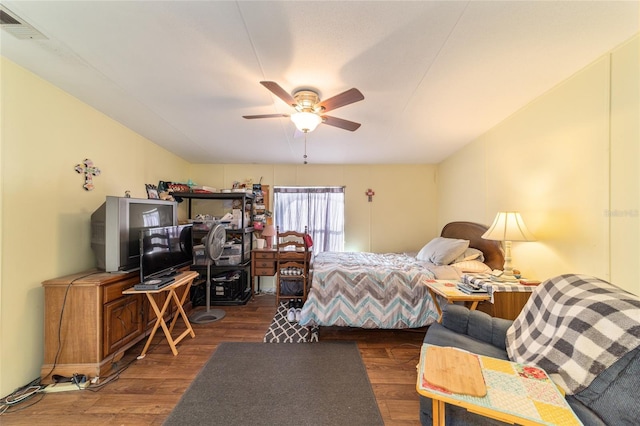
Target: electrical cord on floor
(34, 388)
(110, 378)
(116, 375)
(21, 395)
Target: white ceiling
(435, 74)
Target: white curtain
(320, 209)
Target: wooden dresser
(89, 323)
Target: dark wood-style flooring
(146, 391)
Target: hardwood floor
(146, 390)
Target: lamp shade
(508, 226)
(269, 231)
(306, 121)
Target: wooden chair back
(291, 252)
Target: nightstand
(263, 264)
(506, 298)
(448, 290)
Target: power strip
(64, 387)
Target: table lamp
(268, 233)
(507, 227)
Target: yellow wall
(44, 209)
(569, 163)
(625, 163)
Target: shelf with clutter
(231, 272)
(262, 217)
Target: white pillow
(472, 266)
(470, 254)
(442, 251)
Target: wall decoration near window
(370, 194)
(89, 171)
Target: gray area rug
(243, 383)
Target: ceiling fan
(310, 111)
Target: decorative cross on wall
(89, 171)
(370, 194)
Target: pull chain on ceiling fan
(305, 148)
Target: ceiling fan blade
(265, 116)
(344, 98)
(339, 122)
(279, 92)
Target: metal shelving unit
(226, 288)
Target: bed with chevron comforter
(369, 290)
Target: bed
(373, 290)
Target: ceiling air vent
(14, 25)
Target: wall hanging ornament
(89, 171)
(370, 194)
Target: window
(320, 209)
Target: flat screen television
(163, 251)
(116, 226)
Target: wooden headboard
(492, 250)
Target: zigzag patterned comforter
(368, 290)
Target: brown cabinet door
(123, 322)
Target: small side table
(449, 290)
(516, 394)
(263, 264)
(183, 278)
(507, 298)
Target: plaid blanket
(574, 327)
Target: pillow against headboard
(442, 251)
(470, 254)
(472, 266)
(492, 250)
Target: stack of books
(476, 279)
(470, 288)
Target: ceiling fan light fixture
(309, 111)
(306, 121)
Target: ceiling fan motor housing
(307, 101)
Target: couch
(610, 398)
